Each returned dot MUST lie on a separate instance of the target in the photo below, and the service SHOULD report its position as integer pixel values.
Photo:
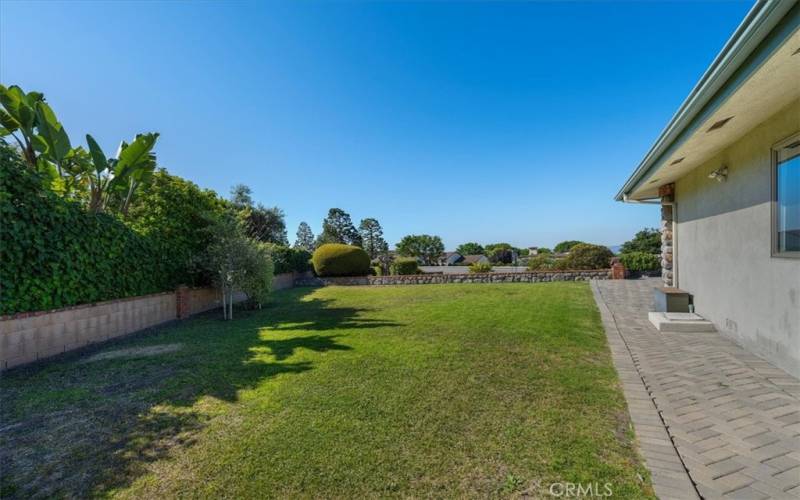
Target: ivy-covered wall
(54, 254)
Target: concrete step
(666, 322)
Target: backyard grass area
(416, 391)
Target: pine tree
(372, 237)
(305, 238)
(338, 228)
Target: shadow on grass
(74, 427)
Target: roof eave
(756, 26)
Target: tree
(176, 214)
(372, 237)
(114, 181)
(46, 148)
(566, 246)
(647, 240)
(501, 255)
(494, 246)
(260, 223)
(338, 228)
(471, 249)
(238, 263)
(425, 247)
(241, 196)
(587, 256)
(265, 224)
(20, 118)
(305, 238)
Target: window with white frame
(786, 197)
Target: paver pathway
(712, 420)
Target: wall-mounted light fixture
(720, 174)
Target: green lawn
(419, 391)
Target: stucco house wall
(723, 247)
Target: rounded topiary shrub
(335, 259)
(405, 265)
(586, 256)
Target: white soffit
(775, 85)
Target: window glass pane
(788, 204)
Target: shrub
(336, 259)
(257, 282)
(640, 261)
(405, 265)
(566, 246)
(647, 240)
(480, 267)
(587, 256)
(501, 256)
(176, 214)
(55, 254)
(238, 263)
(541, 262)
(289, 259)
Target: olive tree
(238, 264)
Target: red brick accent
(182, 302)
(617, 271)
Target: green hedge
(289, 259)
(176, 215)
(405, 265)
(54, 254)
(335, 259)
(640, 261)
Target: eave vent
(654, 181)
(719, 124)
(678, 160)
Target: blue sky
(474, 121)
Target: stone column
(667, 194)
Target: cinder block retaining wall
(27, 337)
(425, 279)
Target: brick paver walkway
(712, 420)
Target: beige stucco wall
(724, 250)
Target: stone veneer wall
(426, 279)
(667, 194)
(28, 337)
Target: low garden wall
(31, 336)
(287, 280)
(425, 279)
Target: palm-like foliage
(113, 181)
(108, 183)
